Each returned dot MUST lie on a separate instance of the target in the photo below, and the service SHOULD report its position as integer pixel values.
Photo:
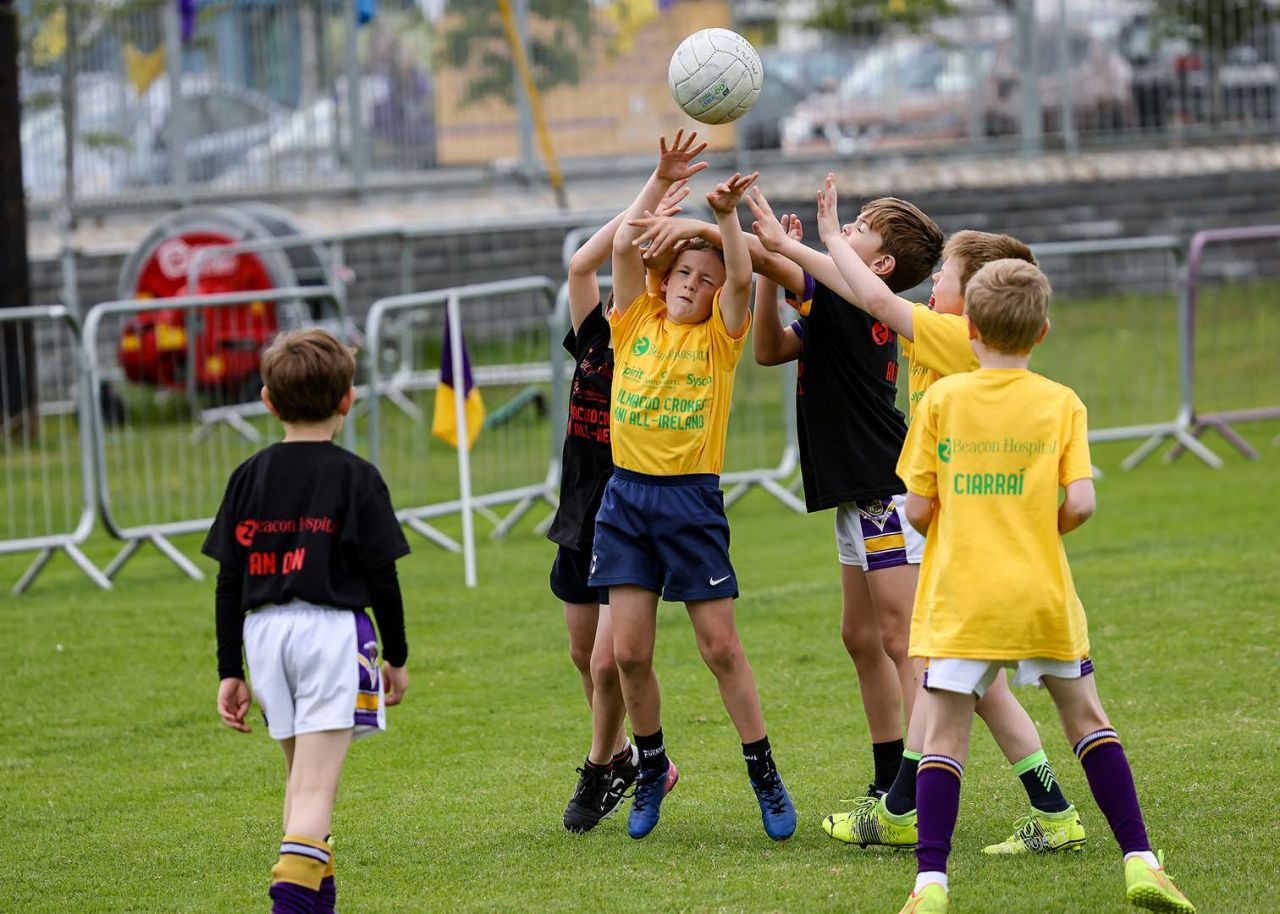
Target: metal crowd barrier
(518, 370)
(161, 462)
(46, 488)
(1237, 337)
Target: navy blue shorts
(667, 534)
(569, 577)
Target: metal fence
(175, 394)
(46, 487)
(319, 95)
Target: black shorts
(569, 577)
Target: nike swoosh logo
(715, 582)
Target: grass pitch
(122, 792)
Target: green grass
(122, 792)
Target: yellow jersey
(940, 347)
(672, 387)
(994, 446)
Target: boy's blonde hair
(1008, 302)
(912, 238)
(976, 249)
(307, 373)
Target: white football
(715, 76)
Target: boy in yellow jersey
(661, 527)
(935, 339)
(984, 462)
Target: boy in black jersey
(586, 464)
(306, 538)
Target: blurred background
(138, 102)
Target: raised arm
(673, 166)
(772, 343)
(869, 291)
(584, 286)
(736, 294)
(661, 237)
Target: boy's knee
(604, 670)
(580, 654)
(860, 640)
(723, 653)
(632, 659)
(895, 645)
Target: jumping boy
(887, 816)
(661, 528)
(586, 464)
(305, 539)
(983, 464)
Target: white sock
(1147, 857)
(923, 879)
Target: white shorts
(314, 668)
(875, 534)
(953, 674)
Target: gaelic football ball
(715, 76)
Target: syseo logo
(881, 333)
(640, 346)
(245, 531)
(944, 450)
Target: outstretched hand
(728, 194)
(673, 161)
(670, 205)
(828, 217)
(768, 229)
(792, 225)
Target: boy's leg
(608, 736)
(893, 594)
(634, 614)
(315, 766)
(878, 682)
(946, 747)
(1053, 824)
(581, 620)
(1111, 781)
(721, 649)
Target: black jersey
(850, 430)
(307, 521)
(587, 460)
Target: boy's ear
(266, 400)
(973, 331)
(344, 405)
(883, 265)
(1044, 331)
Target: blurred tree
(1216, 25)
(874, 15)
(559, 35)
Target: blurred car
(790, 78)
(122, 140)
(923, 89)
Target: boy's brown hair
(976, 249)
(1008, 302)
(914, 240)
(307, 373)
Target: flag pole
(535, 104)
(453, 316)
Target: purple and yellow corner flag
(444, 424)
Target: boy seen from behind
(306, 538)
(984, 464)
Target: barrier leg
(1233, 438)
(1145, 450)
(784, 495)
(523, 507)
(1191, 442)
(33, 569)
(172, 554)
(121, 557)
(428, 532)
(91, 570)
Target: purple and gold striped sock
(1107, 769)
(328, 899)
(296, 877)
(937, 806)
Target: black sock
(759, 758)
(888, 759)
(901, 798)
(1040, 782)
(653, 754)
(594, 767)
